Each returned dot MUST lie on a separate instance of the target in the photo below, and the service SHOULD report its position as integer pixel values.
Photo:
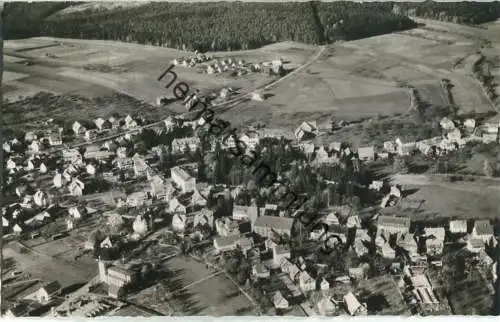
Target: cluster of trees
(465, 12)
(233, 26)
(209, 26)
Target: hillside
(225, 26)
(208, 26)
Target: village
(130, 216)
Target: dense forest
(233, 26)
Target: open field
(351, 80)
(48, 268)
(11, 76)
(203, 291)
(463, 200)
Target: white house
(55, 139)
(353, 306)
(279, 301)
(458, 226)
(76, 187)
(306, 130)
(43, 168)
(181, 178)
(40, 198)
(251, 139)
(483, 230)
(48, 292)
(306, 282)
(78, 129)
(90, 135)
(90, 169)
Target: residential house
(18, 310)
(241, 212)
(259, 270)
(179, 222)
(130, 122)
(266, 225)
(77, 212)
(11, 165)
(324, 285)
(353, 222)
(43, 168)
(251, 139)
(48, 292)
(435, 240)
(71, 156)
(390, 146)
(279, 252)
(138, 198)
(470, 125)
(360, 248)
(17, 229)
(226, 227)
(76, 187)
(447, 124)
(90, 169)
(115, 123)
(178, 205)
(483, 230)
(90, 135)
(306, 131)
(475, 245)
(366, 153)
(102, 124)
(124, 164)
(78, 129)
(458, 227)
(326, 307)
(55, 139)
(409, 244)
(140, 166)
(393, 225)
(359, 273)
(228, 243)
(41, 199)
(35, 146)
(186, 182)
(181, 145)
(353, 306)
(306, 282)
(159, 188)
(387, 251)
(279, 301)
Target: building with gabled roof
(48, 292)
(307, 130)
(458, 227)
(353, 306)
(393, 224)
(483, 230)
(186, 182)
(266, 225)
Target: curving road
(230, 103)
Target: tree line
(234, 26)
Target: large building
(186, 182)
(266, 225)
(393, 225)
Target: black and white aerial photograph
(240, 158)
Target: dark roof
(400, 222)
(274, 222)
(52, 287)
(483, 227)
